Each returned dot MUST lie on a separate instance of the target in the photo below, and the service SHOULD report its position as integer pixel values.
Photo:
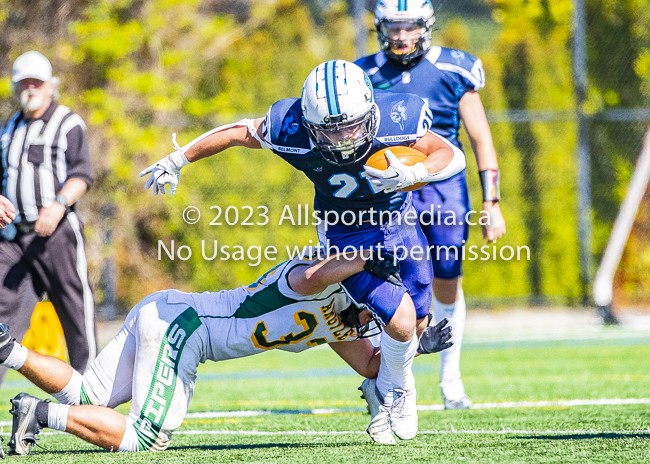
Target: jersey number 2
(349, 184)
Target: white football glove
(397, 175)
(166, 171)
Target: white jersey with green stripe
(268, 314)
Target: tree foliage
(138, 70)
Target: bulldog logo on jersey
(398, 114)
(290, 125)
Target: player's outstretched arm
(167, 171)
(314, 278)
(473, 115)
(245, 133)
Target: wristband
(490, 183)
(63, 201)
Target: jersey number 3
(307, 320)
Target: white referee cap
(31, 64)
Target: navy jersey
(441, 78)
(402, 120)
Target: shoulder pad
(371, 63)
(282, 122)
(459, 62)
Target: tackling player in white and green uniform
(153, 359)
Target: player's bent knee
(137, 439)
(71, 394)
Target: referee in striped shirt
(45, 170)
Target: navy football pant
(381, 296)
(442, 208)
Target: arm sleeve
(77, 154)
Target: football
(407, 155)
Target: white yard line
(424, 432)
(543, 404)
(504, 431)
(421, 407)
(425, 407)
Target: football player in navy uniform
(327, 134)
(448, 80)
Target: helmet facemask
(389, 33)
(343, 142)
(350, 318)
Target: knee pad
(71, 394)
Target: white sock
(450, 358)
(57, 416)
(17, 357)
(396, 363)
(71, 393)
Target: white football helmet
(339, 111)
(393, 16)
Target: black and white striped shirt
(39, 155)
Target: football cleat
(371, 395)
(461, 403)
(379, 428)
(404, 414)
(454, 396)
(162, 441)
(24, 427)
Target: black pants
(31, 265)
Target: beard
(31, 100)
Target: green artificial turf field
(280, 391)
